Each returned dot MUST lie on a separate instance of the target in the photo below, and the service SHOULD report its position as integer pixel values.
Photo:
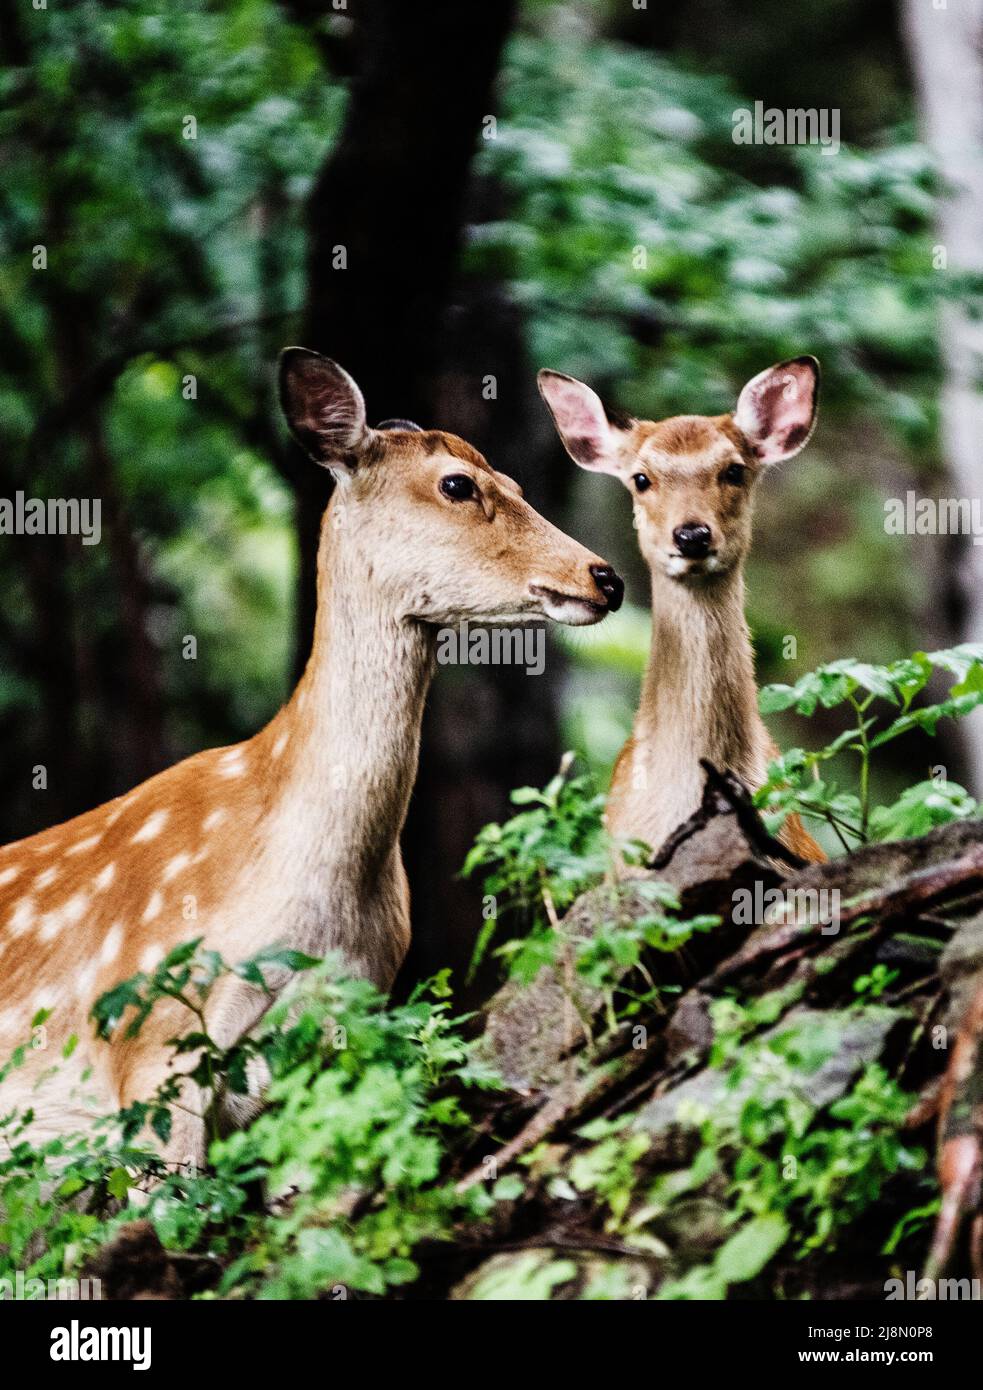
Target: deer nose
(611, 585)
(692, 540)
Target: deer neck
(699, 700)
(342, 758)
(699, 693)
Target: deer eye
(642, 482)
(733, 473)
(458, 487)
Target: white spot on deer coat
(151, 827)
(232, 764)
(11, 1021)
(22, 917)
(281, 743)
(153, 908)
(104, 878)
(151, 958)
(45, 877)
(75, 909)
(85, 980)
(175, 865)
(51, 924)
(213, 819)
(110, 947)
(8, 875)
(83, 845)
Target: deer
(692, 479)
(292, 837)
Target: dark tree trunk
(488, 729)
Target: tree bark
(946, 48)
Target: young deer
(692, 480)
(291, 837)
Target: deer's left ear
(776, 411)
(589, 436)
(323, 408)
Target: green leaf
(745, 1254)
(920, 808)
(508, 1188)
(161, 1124)
(118, 1184)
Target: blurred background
(445, 197)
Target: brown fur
(293, 835)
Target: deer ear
(588, 435)
(322, 405)
(776, 411)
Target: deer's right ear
(322, 405)
(581, 421)
(776, 411)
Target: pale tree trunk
(946, 46)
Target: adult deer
(692, 480)
(291, 837)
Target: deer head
(438, 529)
(691, 477)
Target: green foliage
(742, 1257)
(558, 841)
(530, 1277)
(540, 860)
(798, 780)
(785, 1173)
(187, 975)
(630, 211)
(353, 1134)
(54, 1193)
(168, 258)
(609, 1167)
(373, 1122)
(795, 1174)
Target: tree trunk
(947, 55)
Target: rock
(872, 867)
(857, 1039)
(529, 1029)
(690, 1030)
(961, 967)
(539, 1274)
